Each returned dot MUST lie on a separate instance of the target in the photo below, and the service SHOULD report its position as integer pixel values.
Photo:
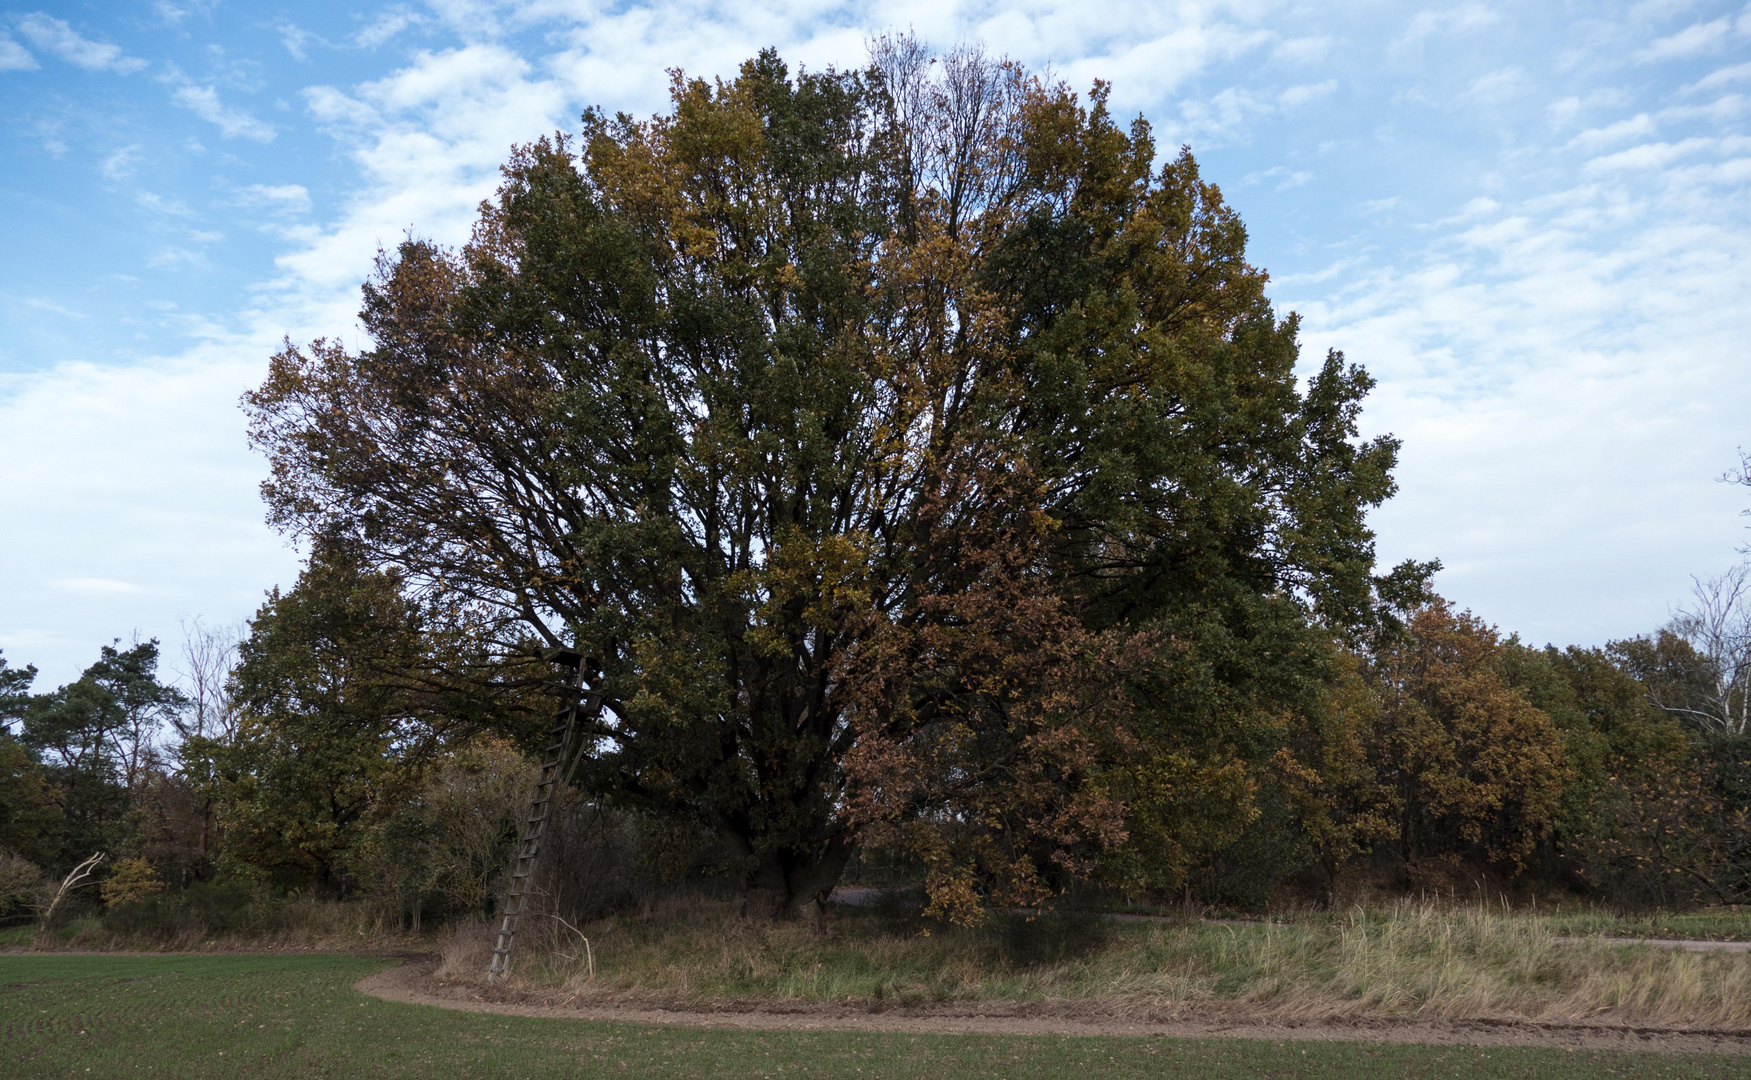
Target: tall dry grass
(1414, 959)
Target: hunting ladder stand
(564, 748)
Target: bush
(205, 908)
(24, 892)
(1670, 839)
(133, 879)
(1058, 936)
(444, 848)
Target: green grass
(298, 1016)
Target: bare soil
(415, 981)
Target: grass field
(298, 1016)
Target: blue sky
(1530, 222)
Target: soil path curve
(415, 982)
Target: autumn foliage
(916, 456)
(922, 462)
(1472, 770)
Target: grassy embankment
(270, 1017)
(224, 919)
(1422, 960)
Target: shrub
(444, 847)
(23, 889)
(204, 908)
(133, 879)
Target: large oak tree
(920, 460)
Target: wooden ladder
(562, 747)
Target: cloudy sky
(1530, 222)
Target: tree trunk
(787, 883)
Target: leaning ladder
(561, 748)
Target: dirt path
(415, 982)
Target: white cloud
(1563, 111)
(429, 139)
(174, 14)
(1316, 277)
(1227, 116)
(1635, 127)
(1566, 111)
(57, 38)
(1222, 117)
(44, 304)
(1497, 86)
(1454, 21)
(296, 40)
(96, 585)
(14, 57)
(204, 102)
(1296, 96)
(1482, 206)
(387, 24)
(1722, 77)
(620, 53)
(1717, 113)
(1693, 40)
(1649, 155)
(174, 257)
(1648, 11)
(120, 165)
(150, 458)
(160, 205)
(1285, 178)
(1303, 50)
(1166, 50)
(1567, 366)
(292, 198)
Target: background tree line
(1444, 758)
(919, 461)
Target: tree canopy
(918, 458)
(95, 740)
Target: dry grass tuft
(1413, 959)
(465, 954)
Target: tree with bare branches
(1698, 669)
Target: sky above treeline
(1528, 221)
